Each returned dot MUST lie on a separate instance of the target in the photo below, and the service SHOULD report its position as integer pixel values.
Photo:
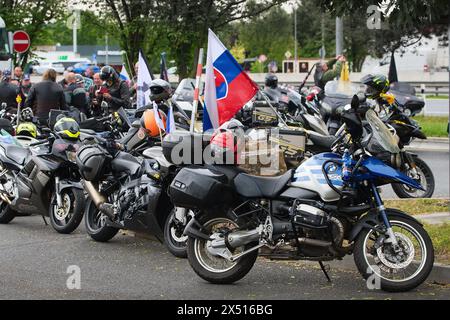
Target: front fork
(409, 160)
(58, 192)
(382, 212)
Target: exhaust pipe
(99, 200)
(241, 238)
(314, 242)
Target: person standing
(8, 92)
(95, 97)
(328, 71)
(18, 74)
(45, 96)
(24, 88)
(118, 94)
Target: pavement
(35, 261)
(436, 107)
(434, 218)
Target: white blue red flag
(227, 87)
(170, 123)
(124, 74)
(158, 120)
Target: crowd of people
(82, 93)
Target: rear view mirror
(355, 102)
(136, 124)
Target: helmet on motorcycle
(225, 141)
(26, 129)
(160, 90)
(67, 128)
(108, 74)
(148, 121)
(26, 114)
(375, 85)
(271, 81)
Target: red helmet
(224, 142)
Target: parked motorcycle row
(117, 172)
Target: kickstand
(45, 221)
(325, 271)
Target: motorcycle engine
(309, 215)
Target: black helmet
(160, 90)
(67, 128)
(107, 73)
(271, 81)
(376, 84)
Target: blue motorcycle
(329, 207)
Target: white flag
(144, 79)
(159, 122)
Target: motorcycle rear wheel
(6, 213)
(96, 224)
(216, 269)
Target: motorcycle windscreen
(378, 169)
(381, 133)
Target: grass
(419, 206)
(433, 126)
(440, 236)
(432, 96)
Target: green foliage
(433, 126)
(440, 236)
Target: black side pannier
(7, 126)
(184, 147)
(199, 188)
(92, 161)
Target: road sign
(21, 41)
(288, 54)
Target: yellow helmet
(26, 129)
(67, 128)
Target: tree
(30, 16)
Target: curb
(440, 273)
(430, 144)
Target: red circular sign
(21, 41)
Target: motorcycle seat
(15, 153)
(261, 187)
(322, 141)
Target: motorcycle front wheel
(425, 178)
(399, 268)
(214, 268)
(67, 218)
(6, 213)
(173, 235)
(96, 224)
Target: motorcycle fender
(65, 184)
(152, 215)
(193, 230)
(371, 219)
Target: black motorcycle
(43, 180)
(124, 192)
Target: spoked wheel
(399, 268)
(173, 234)
(211, 266)
(424, 176)
(6, 213)
(67, 217)
(96, 224)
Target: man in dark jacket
(118, 94)
(328, 71)
(46, 95)
(8, 92)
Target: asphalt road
(34, 262)
(437, 107)
(439, 164)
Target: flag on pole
(164, 75)
(144, 78)
(227, 87)
(124, 74)
(158, 120)
(170, 124)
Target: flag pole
(196, 89)
(272, 107)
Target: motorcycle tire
(402, 191)
(366, 268)
(77, 202)
(240, 268)
(98, 230)
(171, 233)
(6, 213)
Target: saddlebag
(184, 148)
(199, 188)
(92, 161)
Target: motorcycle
(124, 192)
(327, 208)
(43, 180)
